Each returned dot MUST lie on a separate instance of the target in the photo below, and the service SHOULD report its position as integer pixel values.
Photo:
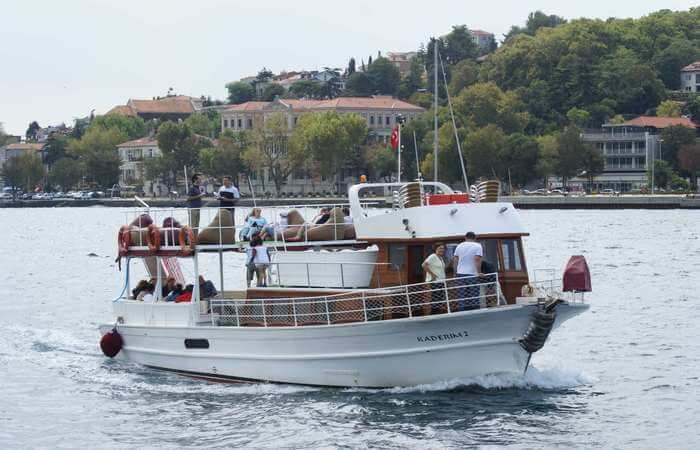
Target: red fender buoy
(111, 343)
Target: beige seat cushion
(219, 232)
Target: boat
(345, 305)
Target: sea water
(624, 374)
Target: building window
(371, 120)
(225, 123)
(240, 123)
(250, 123)
(388, 120)
(295, 120)
(397, 255)
(379, 121)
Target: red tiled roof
(692, 67)
(37, 146)
(141, 142)
(659, 122)
(124, 110)
(178, 104)
(376, 102)
(247, 106)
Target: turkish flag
(395, 138)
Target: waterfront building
(628, 148)
(690, 78)
(172, 107)
(379, 112)
(482, 39)
(131, 169)
(15, 149)
(402, 61)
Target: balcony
(610, 137)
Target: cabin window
(512, 259)
(397, 255)
(490, 247)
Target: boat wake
(546, 379)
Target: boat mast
(435, 111)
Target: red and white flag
(395, 138)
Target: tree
(669, 62)
(413, 81)
(179, 148)
(459, 45)
(663, 174)
(359, 84)
(271, 150)
(673, 138)
(55, 149)
(381, 161)
(518, 159)
(203, 125)
(226, 158)
(351, 66)
(264, 76)
(669, 108)
(578, 117)
(482, 148)
(240, 92)
(592, 163)
(570, 148)
(548, 159)
(464, 74)
(272, 91)
(305, 89)
(384, 76)
(97, 151)
(130, 127)
(32, 130)
(331, 139)
(31, 170)
(12, 174)
(689, 161)
(66, 173)
(485, 103)
(535, 21)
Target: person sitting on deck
(140, 286)
(347, 219)
(168, 286)
(146, 294)
(206, 288)
(174, 293)
(323, 215)
(271, 230)
(254, 224)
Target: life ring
(123, 240)
(153, 238)
(187, 235)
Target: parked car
(5, 195)
(609, 192)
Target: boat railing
(223, 233)
(406, 301)
(332, 275)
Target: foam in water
(547, 379)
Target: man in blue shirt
(194, 202)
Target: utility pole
(400, 120)
(435, 111)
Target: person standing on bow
(194, 202)
(467, 263)
(228, 197)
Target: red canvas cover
(577, 277)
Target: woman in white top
(434, 268)
(259, 258)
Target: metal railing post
(447, 297)
(408, 302)
(294, 312)
(364, 305)
(328, 314)
(342, 276)
(308, 275)
(264, 312)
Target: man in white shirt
(228, 196)
(467, 263)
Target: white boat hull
(401, 352)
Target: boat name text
(443, 337)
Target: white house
(690, 78)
